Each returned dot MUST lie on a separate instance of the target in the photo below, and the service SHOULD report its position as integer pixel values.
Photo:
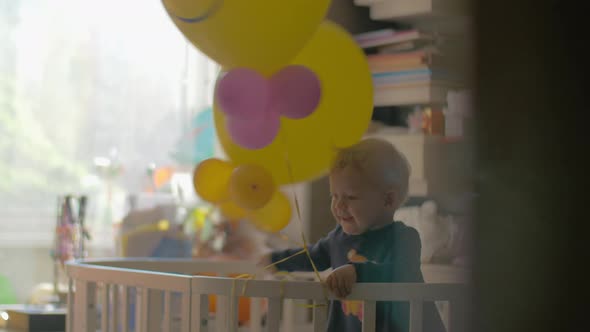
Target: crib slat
(221, 313)
(226, 313)
(320, 316)
(141, 310)
(255, 315)
(85, 308)
(125, 309)
(416, 315)
(166, 321)
(185, 322)
(104, 305)
(200, 312)
(273, 316)
(154, 302)
(289, 315)
(232, 313)
(369, 315)
(114, 321)
(70, 315)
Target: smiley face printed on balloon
(262, 35)
(193, 11)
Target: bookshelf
(439, 22)
(437, 30)
(433, 158)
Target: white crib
(165, 295)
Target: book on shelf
(412, 45)
(407, 60)
(371, 35)
(447, 85)
(421, 74)
(426, 92)
(387, 57)
(413, 77)
(435, 43)
(393, 37)
(402, 64)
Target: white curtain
(85, 84)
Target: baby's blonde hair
(379, 160)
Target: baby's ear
(390, 199)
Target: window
(89, 86)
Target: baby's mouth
(347, 219)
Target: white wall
(25, 268)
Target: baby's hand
(265, 261)
(340, 281)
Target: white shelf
(445, 273)
(409, 10)
(425, 94)
(366, 3)
(419, 187)
(431, 173)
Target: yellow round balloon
(274, 216)
(258, 34)
(251, 186)
(304, 148)
(211, 179)
(231, 211)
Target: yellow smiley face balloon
(258, 34)
(304, 148)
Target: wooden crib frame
(107, 284)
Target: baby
(368, 182)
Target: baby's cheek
(333, 210)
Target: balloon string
(232, 295)
(298, 210)
(282, 291)
(304, 250)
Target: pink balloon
(243, 93)
(295, 92)
(255, 133)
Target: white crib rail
(151, 285)
(155, 284)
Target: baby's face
(357, 204)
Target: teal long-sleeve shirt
(388, 254)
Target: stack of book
(408, 67)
